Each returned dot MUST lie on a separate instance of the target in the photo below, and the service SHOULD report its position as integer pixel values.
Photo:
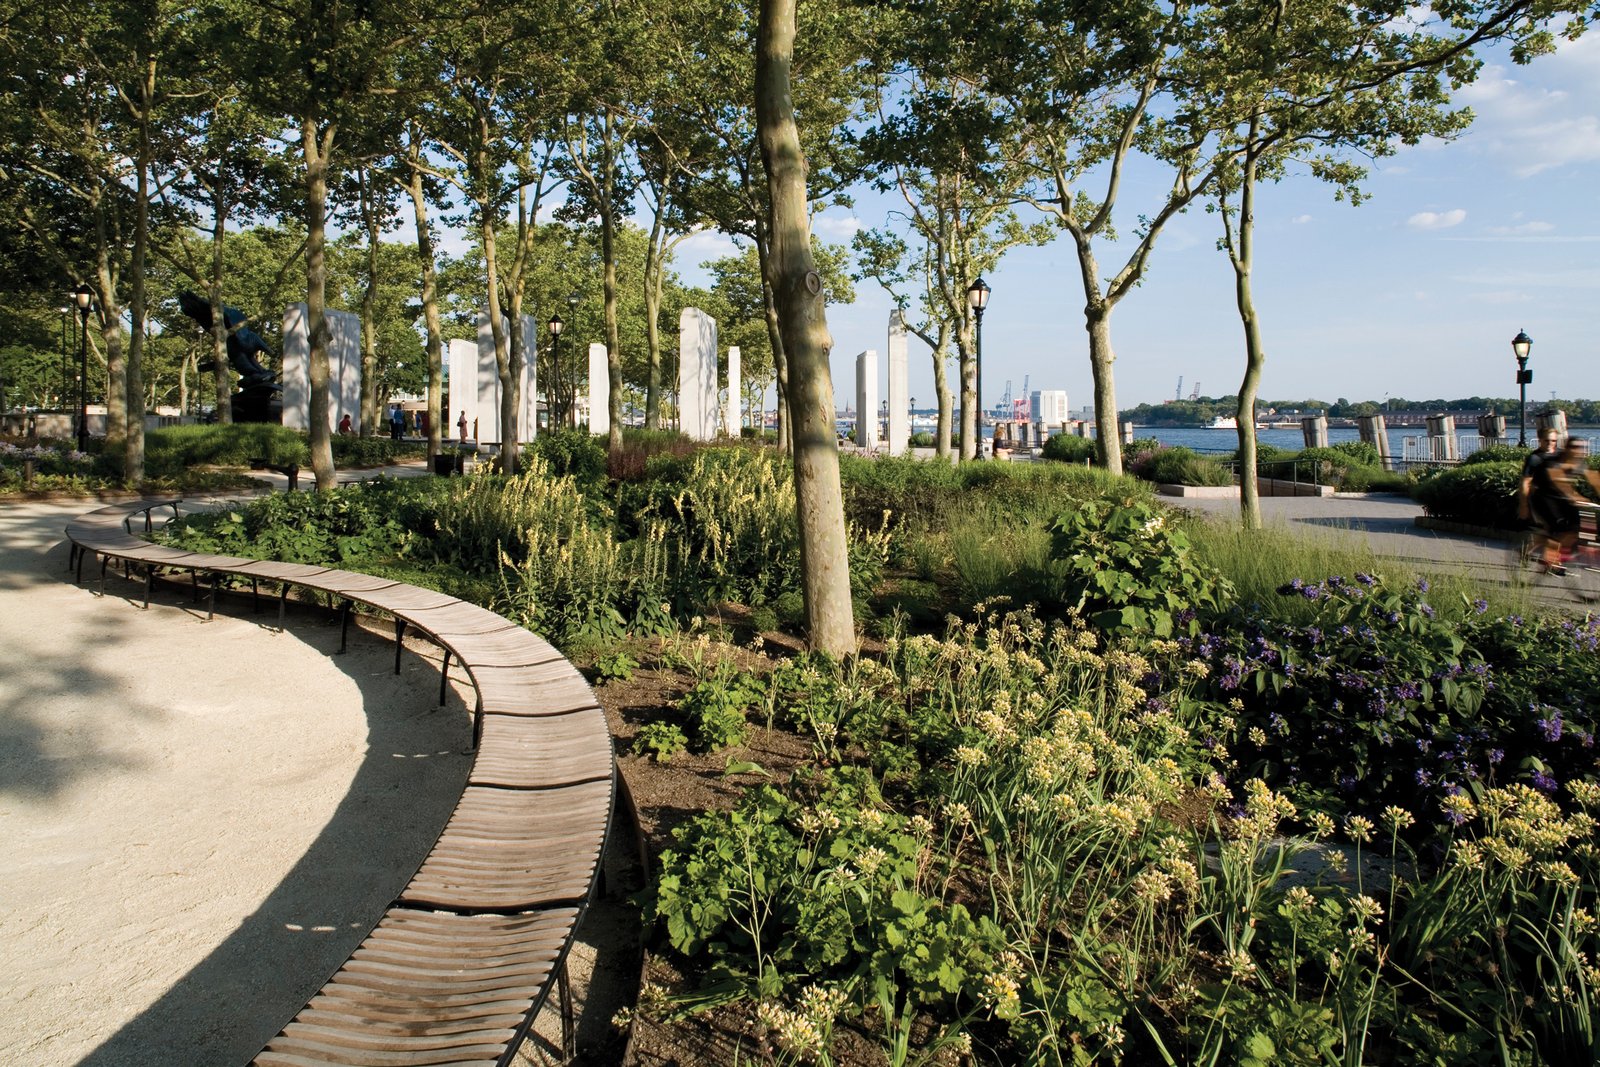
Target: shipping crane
(1196, 394)
(1020, 406)
(1178, 395)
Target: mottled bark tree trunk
(802, 318)
(430, 308)
(317, 144)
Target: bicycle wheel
(1583, 574)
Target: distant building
(1049, 406)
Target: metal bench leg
(194, 581)
(569, 1035)
(104, 562)
(211, 602)
(149, 580)
(344, 625)
(444, 676)
(78, 580)
(477, 724)
(255, 596)
(399, 642)
(283, 602)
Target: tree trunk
(655, 268)
(769, 306)
(941, 386)
(430, 315)
(221, 382)
(1101, 356)
(1242, 254)
(369, 311)
(608, 253)
(317, 144)
(133, 453)
(483, 171)
(802, 316)
(967, 371)
(116, 385)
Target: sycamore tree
(1297, 85)
(328, 70)
(712, 89)
(934, 146)
(797, 292)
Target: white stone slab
(344, 368)
(697, 374)
(463, 359)
(731, 422)
(489, 381)
(899, 387)
(867, 399)
(599, 389)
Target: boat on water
(1224, 422)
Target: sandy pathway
(199, 820)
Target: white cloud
(1437, 220)
(1544, 116)
(835, 228)
(705, 245)
(1300, 220)
(1522, 229)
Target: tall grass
(1259, 562)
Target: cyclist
(1538, 499)
(1569, 465)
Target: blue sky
(1416, 293)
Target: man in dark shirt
(1539, 501)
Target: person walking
(397, 423)
(461, 426)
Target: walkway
(172, 793)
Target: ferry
(1224, 422)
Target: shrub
(1381, 698)
(1181, 466)
(364, 523)
(1363, 453)
(169, 450)
(1069, 448)
(1498, 454)
(373, 451)
(923, 439)
(1127, 569)
(1375, 480)
(662, 739)
(1484, 494)
(571, 452)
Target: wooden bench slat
(527, 752)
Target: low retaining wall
(1264, 487)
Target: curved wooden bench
(457, 967)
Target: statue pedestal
(261, 403)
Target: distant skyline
(1416, 293)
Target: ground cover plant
(58, 467)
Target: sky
(1416, 293)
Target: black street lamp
(553, 393)
(1520, 345)
(978, 299)
(84, 297)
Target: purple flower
(1366, 579)
(1480, 606)
(1496, 755)
(1422, 584)
(1551, 728)
(1427, 609)
(1544, 782)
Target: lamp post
(84, 297)
(978, 299)
(553, 394)
(1520, 345)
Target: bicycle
(1579, 572)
